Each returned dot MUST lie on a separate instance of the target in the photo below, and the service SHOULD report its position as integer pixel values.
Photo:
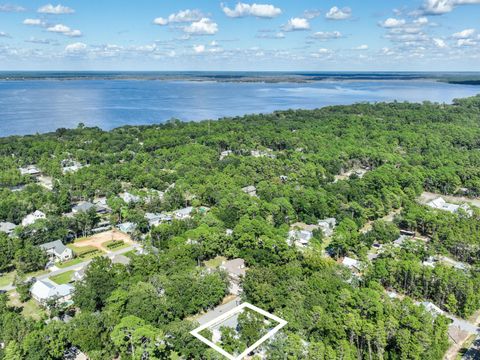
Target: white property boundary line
(196, 332)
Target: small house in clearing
(44, 291)
(127, 227)
(83, 206)
(33, 217)
(7, 227)
(56, 251)
(129, 198)
(327, 226)
(182, 214)
(250, 190)
(31, 170)
(236, 271)
(352, 264)
(441, 204)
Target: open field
(100, 241)
(63, 278)
(30, 309)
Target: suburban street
(75, 267)
(218, 311)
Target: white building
(127, 227)
(129, 198)
(327, 225)
(299, 237)
(7, 227)
(352, 264)
(44, 291)
(33, 217)
(182, 214)
(31, 170)
(57, 251)
(157, 219)
(441, 204)
(250, 190)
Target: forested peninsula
(356, 224)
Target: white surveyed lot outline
(228, 314)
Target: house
(250, 190)
(225, 153)
(236, 271)
(70, 166)
(31, 170)
(56, 251)
(327, 225)
(262, 153)
(79, 275)
(44, 291)
(83, 206)
(101, 205)
(33, 217)
(7, 227)
(129, 198)
(183, 214)
(157, 219)
(352, 264)
(441, 204)
(127, 227)
(299, 237)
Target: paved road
(219, 310)
(74, 267)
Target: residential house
(225, 153)
(299, 237)
(127, 227)
(33, 217)
(101, 205)
(70, 166)
(7, 227)
(441, 204)
(236, 271)
(129, 198)
(44, 291)
(352, 264)
(83, 206)
(57, 251)
(250, 190)
(327, 226)
(157, 219)
(31, 170)
(79, 275)
(182, 214)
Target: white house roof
(31, 218)
(128, 198)
(349, 262)
(7, 227)
(184, 211)
(126, 227)
(83, 206)
(44, 290)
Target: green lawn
(30, 309)
(215, 263)
(7, 279)
(63, 278)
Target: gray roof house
(327, 226)
(43, 291)
(127, 227)
(299, 237)
(83, 206)
(57, 251)
(33, 217)
(129, 198)
(184, 213)
(236, 270)
(156, 219)
(7, 227)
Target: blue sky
(264, 35)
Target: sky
(203, 35)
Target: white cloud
(76, 47)
(392, 23)
(182, 16)
(440, 7)
(327, 35)
(65, 30)
(204, 26)
(311, 14)
(336, 13)
(322, 53)
(439, 43)
(56, 10)
(466, 42)
(464, 34)
(297, 24)
(11, 8)
(421, 21)
(258, 10)
(199, 49)
(4, 34)
(33, 22)
(362, 47)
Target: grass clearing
(215, 263)
(30, 309)
(7, 278)
(63, 278)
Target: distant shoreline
(470, 78)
